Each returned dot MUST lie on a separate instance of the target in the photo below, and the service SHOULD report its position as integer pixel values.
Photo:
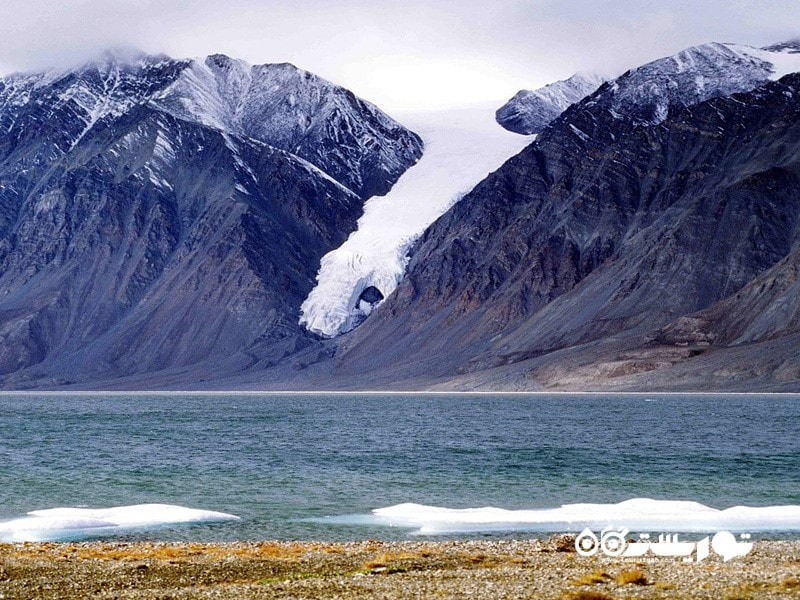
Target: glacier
(462, 146)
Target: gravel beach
(539, 569)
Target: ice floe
(638, 514)
(66, 524)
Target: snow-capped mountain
(531, 111)
(286, 107)
(278, 104)
(67, 105)
(162, 214)
(170, 223)
(611, 255)
(647, 239)
(647, 94)
(790, 47)
(375, 256)
(650, 93)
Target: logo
(613, 542)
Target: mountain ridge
(529, 112)
(135, 238)
(646, 94)
(647, 245)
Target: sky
(405, 55)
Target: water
(284, 462)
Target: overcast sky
(397, 54)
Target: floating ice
(66, 524)
(638, 514)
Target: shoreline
(213, 392)
(542, 569)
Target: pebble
(541, 569)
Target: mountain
(530, 112)
(171, 214)
(162, 223)
(612, 253)
(649, 93)
(294, 110)
(790, 47)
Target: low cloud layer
(397, 54)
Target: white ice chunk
(62, 524)
(638, 514)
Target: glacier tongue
(462, 146)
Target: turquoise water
(281, 462)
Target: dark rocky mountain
(171, 214)
(530, 111)
(161, 222)
(611, 253)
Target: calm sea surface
(279, 460)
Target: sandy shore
(370, 569)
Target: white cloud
(395, 53)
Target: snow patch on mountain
(531, 111)
(297, 111)
(784, 58)
(195, 96)
(648, 94)
(461, 147)
(99, 90)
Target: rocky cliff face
(171, 214)
(611, 251)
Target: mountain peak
(650, 92)
(530, 111)
(123, 54)
(223, 62)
